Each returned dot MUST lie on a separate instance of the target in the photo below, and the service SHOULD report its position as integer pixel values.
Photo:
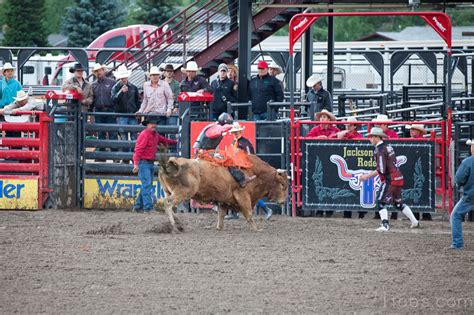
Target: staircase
(200, 32)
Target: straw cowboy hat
(122, 72)
(7, 66)
(327, 113)
(236, 127)
(352, 119)
(312, 80)
(419, 127)
(470, 142)
(21, 96)
(381, 119)
(192, 66)
(274, 65)
(154, 70)
(377, 132)
(98, 66)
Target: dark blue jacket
(262, 90)
(465, 178)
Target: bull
(184, 179)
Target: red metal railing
(442, 140)
(29, 156)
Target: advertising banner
(19, 194)
(115, 193)
(331, 171)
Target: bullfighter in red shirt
(392, 180)
(143, 159)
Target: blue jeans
(461, 208)
(261, 116)
(127, 121)
(145, 173)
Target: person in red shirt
(323, 131)
(350, 132)
(380, 120)
(143, 159)
(417, 131)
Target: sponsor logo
(113, 188)
(439, 24)
(368, 188)
(10, 191)
(300, 24)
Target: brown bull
(205, 182)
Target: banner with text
(331, 171)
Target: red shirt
(320, 131)
(350, 135)
(216, 130)
(391, 134)
(147, 145)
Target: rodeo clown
(391, 178)
(209, 139)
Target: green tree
(155, 12)
(54, 14)
(23, 23)
(88, 19)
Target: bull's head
(279, 190)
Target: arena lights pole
(300, 23)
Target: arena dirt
(120, 262)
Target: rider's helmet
(225, 119)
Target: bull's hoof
(219, 229)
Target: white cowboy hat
(192, 66)
(312, 80)
(122, 72)
(378, 132)
(419, 127)
(352, 119)
(154, 70)
(236, 127)
(327, 113)
(470, 142)
(7, 66)
(381, 119)
(21, 96)
(98, 66)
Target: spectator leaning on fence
(464, 178)
(223, 92)
(143, 160)
(22, 103)
(381, 122)
(318, 97)
(323, 131)
(126, 98)
(9, 86)
(157, 97)
(417, 131)
(168, 72)
(262, 89)
(350, 132)
(233, 74)
(80, 85)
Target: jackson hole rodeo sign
(332, 169)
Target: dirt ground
(56, 261)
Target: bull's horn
(281, 171)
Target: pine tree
(88, 19)
(155, 12)
(23, 23)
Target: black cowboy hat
(168, 67)
(147, 121)
(76, 67)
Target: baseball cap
(262, 64)
(224, 67)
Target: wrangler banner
(115, 193)
(331, 171)
(19, 194)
